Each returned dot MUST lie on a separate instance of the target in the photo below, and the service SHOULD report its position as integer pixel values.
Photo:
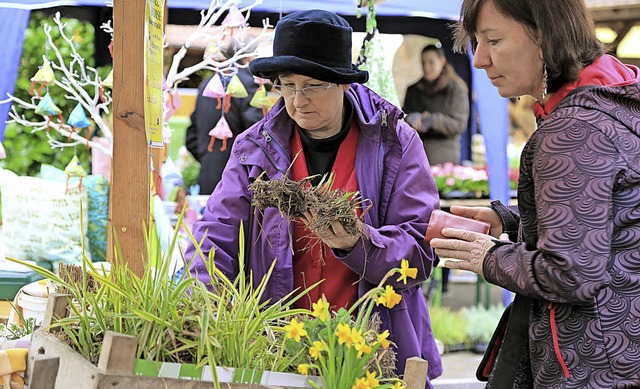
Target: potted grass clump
(449, 327)
(178, 326)
(481, 323)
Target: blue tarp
(448, 10)
(13, 23)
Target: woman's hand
(335, 236)
(467, 248)
(484, 214)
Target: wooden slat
(415, 373)
(47, 371)
(118, 354)
(129, 194)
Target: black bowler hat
(313, 43)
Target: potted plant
(481, 322)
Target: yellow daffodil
(356, 335)
(406, 271)
(316, 350)
(372, 381)
(389, 297)
(321, 308)
(398, 385)
(295, 330)
(361, 383)
(382, 339)
(303, 369)
(344, 334)
(363, 348)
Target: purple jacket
(392, 171)
(577, 264)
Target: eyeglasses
(309, 92)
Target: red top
(313, 260)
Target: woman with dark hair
(325, 122)
(572, 252)
(437, 106)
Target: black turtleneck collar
(321, 153)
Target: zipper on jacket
(384, 118)
(554, 337)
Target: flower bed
(460, 181)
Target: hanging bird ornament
(215, 90)
(220, 131)
(74, 169)
(78, 120)
(43, 76)
(47, 108)
(171, 101)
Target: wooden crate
(54, 365)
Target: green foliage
(448, 326)
(481, 322)
(174, 319)
(190, 174)
(26, 151)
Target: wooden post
(47, 372)
(129, 194)
(118, 354)
(56, 309)
(415, 373)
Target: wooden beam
(129, 194)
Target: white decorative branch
(74, 78)
(77, 78)
(208, 30)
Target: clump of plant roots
(294, 198)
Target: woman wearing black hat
(333, 124)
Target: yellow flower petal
(389, 298)
(303, 369)
(372, 381)
(398, 385)
(406, 271)
(321, 309)
(295, 330)
(382, 339)
(361, 383)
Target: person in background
(437, 106)
(332, 124)
(571, 255)
(205, 116)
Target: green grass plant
(226, 323)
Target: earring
(544, 81)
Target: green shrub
(26, 151)
(481, 322)
(448, 326)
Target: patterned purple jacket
(577, 263)
(391, 169)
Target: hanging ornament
(47, 108)
(234, 18)
(74, 169)
(215, 90)
(171, 101)
(106, 83)
(260, 100)
(78, 120)
(43, 76)
(220, 131)
(236, 89)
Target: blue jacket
(392, 171)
